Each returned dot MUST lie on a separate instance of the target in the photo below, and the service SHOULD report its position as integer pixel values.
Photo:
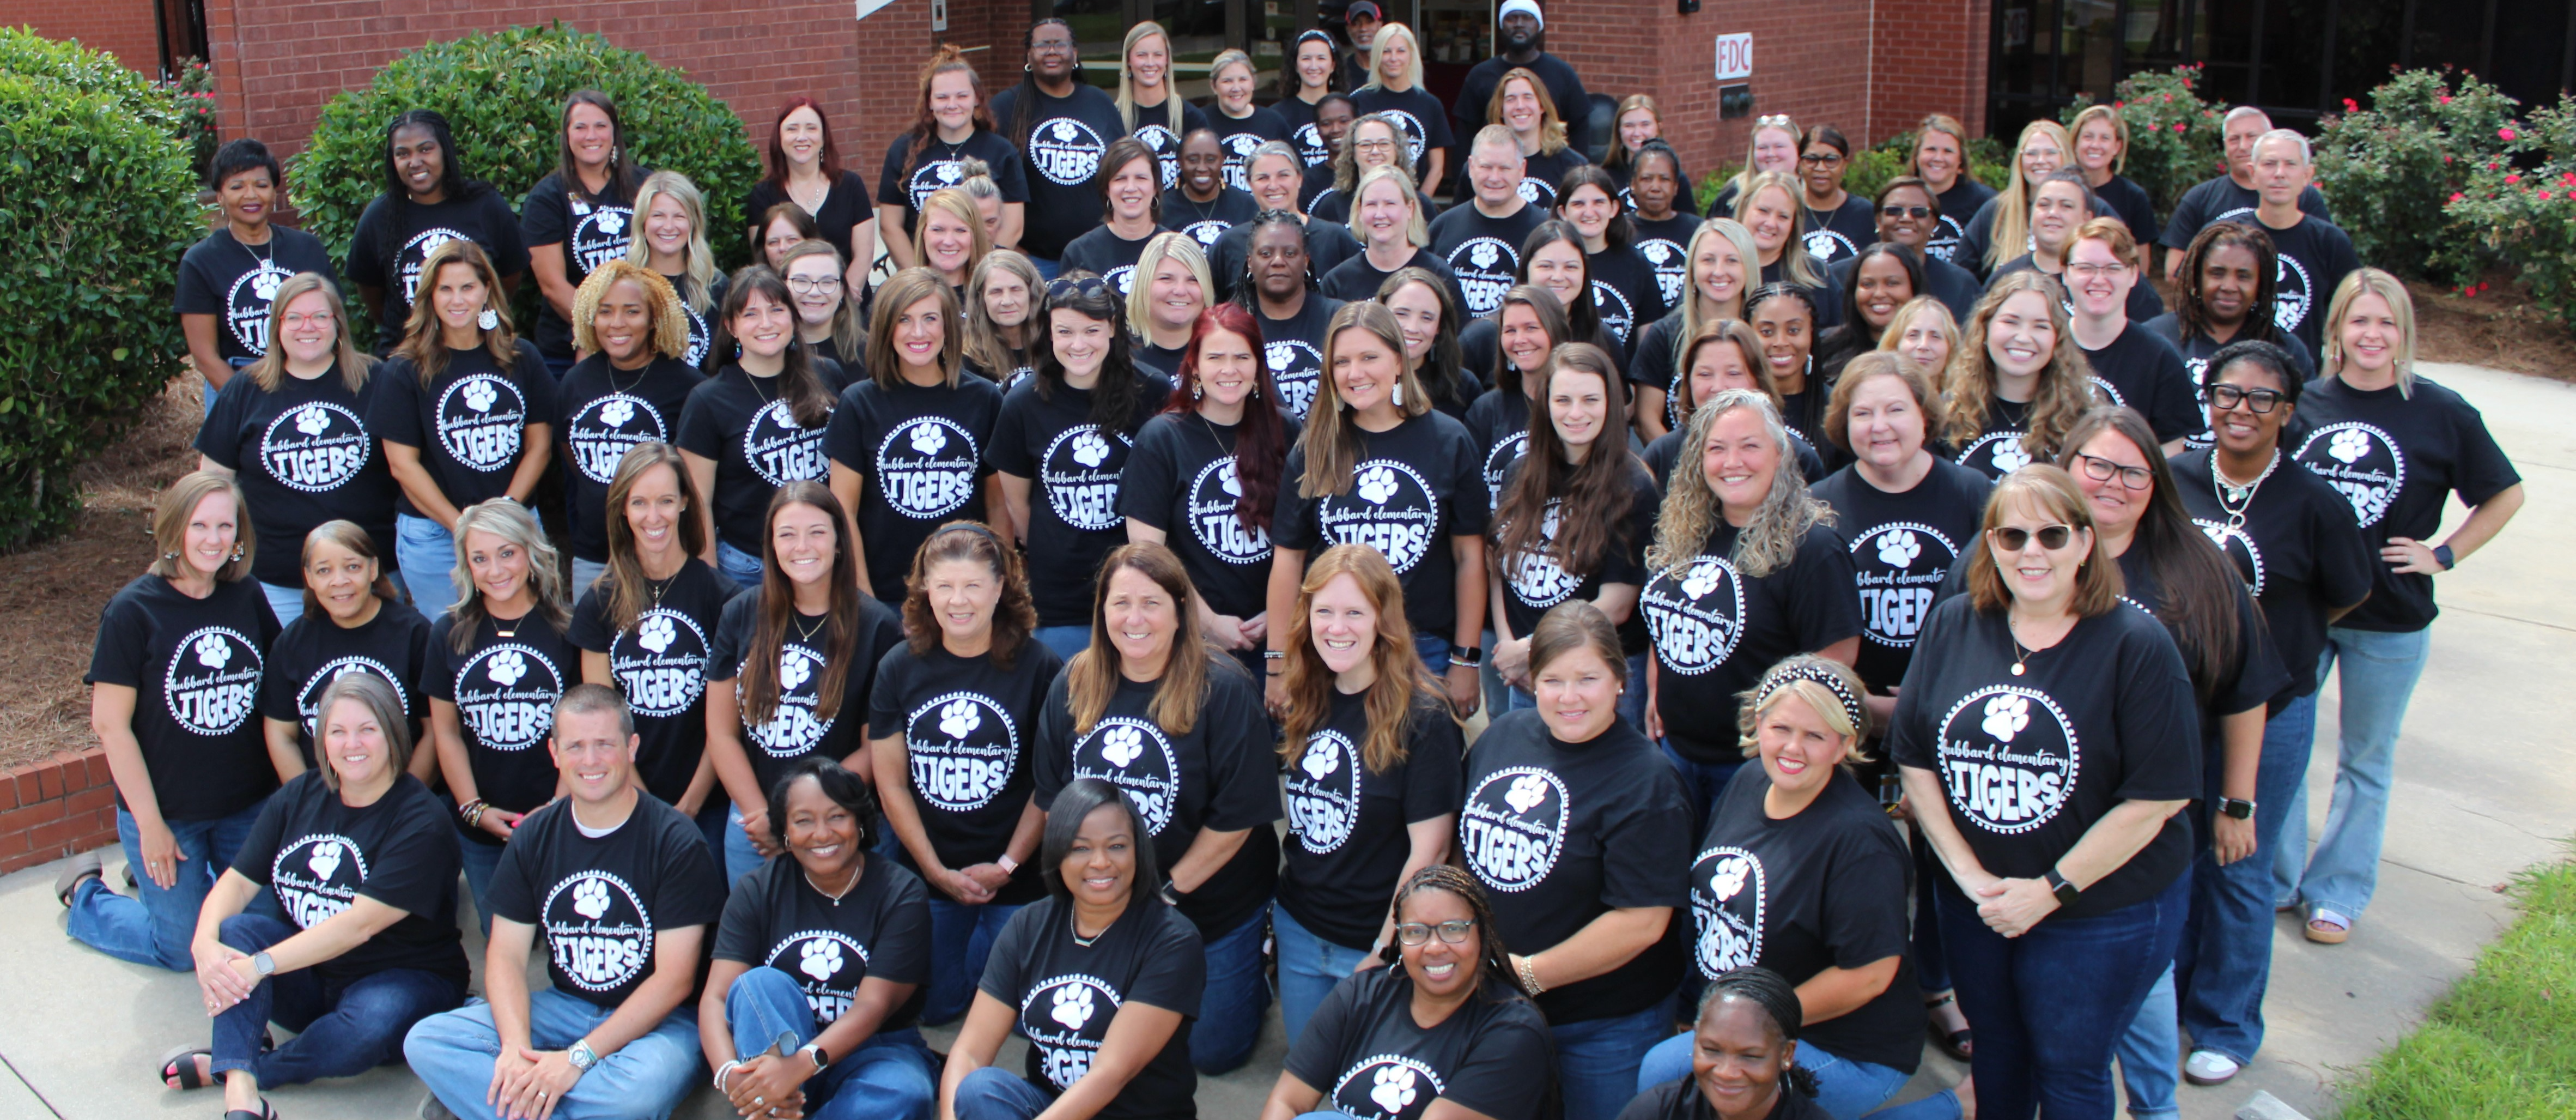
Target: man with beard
(1524, 39)
(1360, 22)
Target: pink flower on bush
(2168, 99)
(2456, 196)
(2351, 106)
(2504, 134)
(2179, 126)
(2513, 178)
(2544, 196)
(2446, 99)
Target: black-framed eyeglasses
(1821, 159)
(2100, 469)
(808, 285)
(1906, 211)
(2260, 401)
(2013, 538)
(1451, 932)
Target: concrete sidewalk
(2483, 783)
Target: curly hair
(1691, 511)
(1015, 614)
(2065, 384)
(670, 334)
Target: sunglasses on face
(2259, 401)
(2013, 538)
(1906, 211)
(1821, 159)
(1451, 933)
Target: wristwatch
(2442, 553)
(262, 964)
(1470, 657)
(581, 1055)
(2066, 892)
(2236, 807)
(822, 1059)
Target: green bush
(2174, 137)
(2385, 170)
(81, 70)
(2520, 208)
(1873, 166)
(96, 205)
(196, 90)
(502, 94)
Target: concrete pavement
(2485, 774)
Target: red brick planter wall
(53, 808)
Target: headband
(1787, 673)
(1524, 7)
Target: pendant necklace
(2237, 500)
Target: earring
(170, 555)
(1399, 394)
(488, 320)
(237, 554)
(1197, 391)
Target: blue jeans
(157, 927)
(2050, 1006)
(2226, 961)
(1309, 967)
(2379, 674)
(1597, 1059)
(1845, 1088)
(585, 573)
(991, 1094)
(340, 1031)
(2150, 1053)
(961, 940)
(740, 857)
(1064, 640)
(1231, 1006)
(743, 568)
(1048, 267)
(481, 861)
(425, 558)
(1701, 783)
(1434, 651)
(558, 366)
(453, 1054)
(287, 603)
(889, 1077)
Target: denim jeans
(1309, 967)
(1048, 267)
(481, 862)
(2150, 1053)
(2226, 961)
(1231, 1006)
(287, 603)
(889, 1077)
(558, 366)
(1931, 964)
(1596, 1059)
(2050, 1006)
(2379, 674)
(1434, 651)
(341, 1030)
(992, 1094)
(453, 1054)
(1065, 641)
(740, 856)
(1701, 783)
(743, 568)
(425, 558)
(961, 940)
(157, 927)
(585, 573)
(1845, 1089)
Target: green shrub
(2385, 170)
(2174, 137)
(81, 70)
(2520, 208)
(502, 94)
(1872, 167)
(96, 205)
(196, 90)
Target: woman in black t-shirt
(1388, 218)
(350, 628)
(671, 240)
(951, 733)
(907, 442)
(629, 391)
(1172, 290)
(1744, 1048)
(1881, 278)
(1529, 323)
(1569, 820)
(2101, 154)
(1448, 1023)
(1626, 293)
(1002, 325)
(805, 171)
(1394, 91)
(827, 309)
(579, 217)
(1787, 319)
(1838, 222)
(175, 678)
(814, 981)
(361, 863)
(1101, 949)
(2044, 734)
(951, 129)
(1131, 204)
(1722, 270)
(1773, 210)
(229, 283)
(1428, 319)
(428, 201)
(757, 425)
(292, 431)
(1372, 764)
(2017, 381)
(1724, 355)
(2229, 276)
(1940, 159)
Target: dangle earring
(237, 554)
(1399, 393)
(1197, 390)
(488, 320)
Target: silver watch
(263, 964)
(581, 1055)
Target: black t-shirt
(660, 665)
(1534, 583)
(393, 240)
(1999, 451)
(1219, 776)
(1414, 487)
(1356, 280)
(1206, 222)
(2398, 461)
(1499, 423)
(845, 205)
(195, 666)
(2197, 350)
(504, 690)
(470, 425)
(1317, 184)
(1837, 234)
(2315, 256)
(1299, 116)
(746, 425)
(1066, 994)
(1902, 546)
(2141, 370)
(1154, 127)
(1074, 470)
(1240, 137)
(1181, 479)
(1976, 236)
(600, 901)
(1164, 361)
(1826, 888)
(303, 455)
(1420, 117)
(1101, 250)
(2128, 202)
(1716, 630)
(1347, 844)
(2029, 762)
(1665, 247)
(795, 729)
(236, 283)
(1680, 1099)
(317, 856)
(1964, 198)
(1543, 174)
(2143, 304)
(1483, 253)
(941, 165)
(1561, 833)
(702, 336)
(1492, 1056)
(313, 651)
(921, 450)
(1067, 136)
(1654, 362)
(606, 412)
(1293, 348)
(880, 929)
(1626, 293)
(590, 231)
(1564, 88)
(969, 731)
(1328, 244)
(2296, 544)
(1956, 288)
(2221, 200)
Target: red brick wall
(56, 807)
(123, 28)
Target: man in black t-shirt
(1482, 242)
(624, 888)
(2314, 255)
(2230, 197)
(1523, 30)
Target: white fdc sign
(1735, 56)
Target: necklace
(846, 888)
(1075, 924)
(2234, 499)
(266, 263)
(515, 624)
(798, 195)
(805, 636)
(2021, 656)
(757, 391)
(1207, 210)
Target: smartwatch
(1471, 657)
(2066, 892)
(2442, 553)
(262, 964)
(2236, 807)
(822, 1059)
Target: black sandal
(266, 1111)
(179, 1068)
(1959, 1044)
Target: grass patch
(2502, 1045)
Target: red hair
(1261, 441)
(828, 162)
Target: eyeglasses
(2259, 401)
(1451, 933)
(808, 285)
(1906, 211)
(294, 319)
(2092, 271)
(1051, 46)
(2100, 469)
(1367, 145)
(1821, 159)
(2013, 538)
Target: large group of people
(1052, 595)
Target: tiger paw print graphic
(2006, 716)
(1090, 450)
(312, 420)
(1897, 548)
(930, 439)
(213, 652)
(819, 959)
(1072, 1006)
(1377, 484)
(616, 413)
(1392, 1089)
(506, 667)
(958, 717)
(480, 394)
(2348, 445)
(590, 898)
(1526, 793)
(2011, 456)
(1122, 745)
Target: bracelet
(1529, 975)
(1466, 657)
(721, 1071)
(1274, 655)
(472, 812)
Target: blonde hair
(849, 336)
(510, 521)
(1894, 335)
(958, 203)
(1388, 33)
(2401, 307)
(2047, 486)
(2065, 384)
(670, 335)
(170, 525)
(423, 341)
(1798, 675)
(1946, 125)
(2012, 207)
(1229, 57)
(2119, 134)
(1748, 276)
(1691, 511)
(356, 365)
(1778, 122)
(896, 295)
(1416, 231)
(1551, 126)
(2114, 233)
(1796, 266)
(1127, 81)
(698, 261)
(1159, 248)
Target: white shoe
(2209, 1067)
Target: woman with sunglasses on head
(228, 283)
(350, 627)
(1446, 1029)
(1772, 146)
(428, 200)
(630, 390)
(758, 424)
(1132, 201)
(2017, 381)
(1002, 323)
(805, 171)
(1724, 265)
(1061, 125)
(2225, 297)
(907, 444)
(951, 129)
(579, 217)
(1940, 159)
(672, 242)
(2102, 153)
(2000, 229)
(1725, 355)
(1429, 323)
(2132, 366)
(1172, 290)
(1838, 222)
(1275, 256)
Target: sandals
(179, 1068)
(1958, 1044)
(2327, 927)
(266, 1111)
(83, 866)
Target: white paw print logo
(433, 241)
(2006, 716)
(1377, 484)
(1072, 1006)
(948, 173)
(1483, 255)
(1226, 478)
(928, 439)
(819, 959)
(957, 717)
(1279, 355)
(616, 413)
(506, 667)
(1528, 191)
(590, 898)
(2010, 455)
(611, 222)
(1658, 252)
(213, 652)
(2349, 445)
(1392, 1089)
(1820, 245)
(794, 669)
(266, 283)
(1090, 450)
(311, 420)
(1728, 880)
(1064, 130)
(324, 860)
(1526, 792)
(480, 394)
(1703, 579)
(1897, 548)
(1121, 746)
(657, 633)
(1322, 756)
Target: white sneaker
(2209, 1067)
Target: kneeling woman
(815, 986)
(1744, 1058)
(1100, 976)
(1450, 1029)
(362, 862)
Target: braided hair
(1770, 993)
(1494, 960)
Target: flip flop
(179, 1068)
(2326, 927)
(1959, 1044)
(83, 866)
